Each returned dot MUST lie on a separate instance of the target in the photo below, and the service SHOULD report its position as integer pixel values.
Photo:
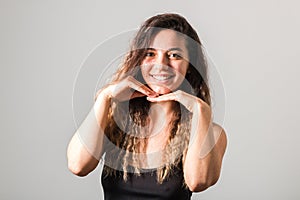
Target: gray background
(254, 44)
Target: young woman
(154, 121)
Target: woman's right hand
(126, 89)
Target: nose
(161, 61)
(162, 58)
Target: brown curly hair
(126, 144)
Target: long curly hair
(126, 144)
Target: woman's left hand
(192, 103)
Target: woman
(153, 121)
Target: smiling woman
(154, 120)
(165, 66)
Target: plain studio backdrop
(254, 45)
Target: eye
(175, 56)
(150, 54)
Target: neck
(160, 115)
(161, 108)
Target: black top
(145, 186)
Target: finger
(137, 94)
(136, 85)
(166, 97)
(179, 96)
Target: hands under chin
(192, 103)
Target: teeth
(160, 77)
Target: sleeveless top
(144, 186)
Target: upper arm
(218, 150)
(80, 161)
(221, 139)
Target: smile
(161, 77)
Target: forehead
(167, 39)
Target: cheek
(182, 72)
(182, 69)
(145, 72)
(147, 61)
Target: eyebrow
(171, 49)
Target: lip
(161, 77)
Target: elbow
(78, 162)
(81, 165)
(77, 170)
(75, 166)
(199, 185)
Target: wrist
(103, 100)
(105, 94)
(102, 103)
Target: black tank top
(144, 186)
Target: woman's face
(166, 62)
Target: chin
(161, 90)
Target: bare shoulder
(220, 136)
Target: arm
(86, 146)
(204, 157)
(202, 164)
